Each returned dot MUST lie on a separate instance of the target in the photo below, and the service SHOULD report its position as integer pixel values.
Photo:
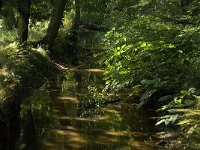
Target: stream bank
(23, 70)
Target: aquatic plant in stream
(95, 98)
(147, 46)
(90, 98)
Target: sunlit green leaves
(143, 44)
(167, 119)
(154, 48)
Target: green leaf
(147, 94)
(171, 46)
(143, 44)
(123, 72)
(159, 122)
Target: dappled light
(75, 69)
(68, 99)
(99, 75)
(103, 128)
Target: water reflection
(9, 124)
(52, 120)
(9, 133)
(29, 134)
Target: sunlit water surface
(53, 120)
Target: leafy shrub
(184, 112)
(147, 48)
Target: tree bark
(54, 25)
(0, 5)
(77, 16)
(23, 20)
(74, 34)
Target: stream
(53, 119)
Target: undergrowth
(22, 65)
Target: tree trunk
(54, 25)
(74, 34)
(0, 5)
(77, 16)
(23, 20)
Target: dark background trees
(54, 25)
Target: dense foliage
(153, 49)
(150, 47)
(152, 44)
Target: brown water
(53, 120)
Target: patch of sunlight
(67, 21)
(4, 71)
(162, 135)
(73, 118)
(94, 70)
(2, 94)
(189, 112)
(106, 140)
(116, 133)
(68, 99)
(73, 137)
(185, 121)
(102, 118)
(71, 128)
(67, 133)
(36, 32)
(12, 46)
(107, 94)
(63, 67)
(41, 50)
(76, 69)
(78, 139)
(109, 110)
(7, 36)
(50, 145)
